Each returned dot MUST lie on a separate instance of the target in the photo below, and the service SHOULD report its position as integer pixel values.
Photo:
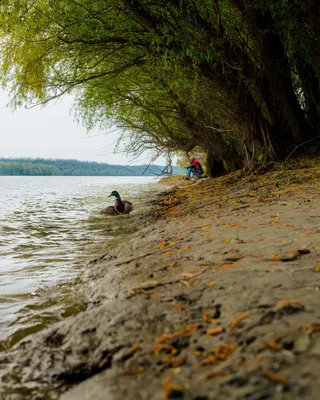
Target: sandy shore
(217, 297)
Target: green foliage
(228, 76)
(27, 168)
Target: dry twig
(152, 284)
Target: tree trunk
(215, 167)
(311, 91)
(221, 157)
(288, 114)
(278, 75)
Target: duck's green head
(115, 194)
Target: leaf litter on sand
(164, 244)
(238, 319)
(218, 194)
(217, 354)
(217, 189)
(171, 390)
(175, 362)
(221, 353)
(163, 348)
(184, 331)
(207, 314)
(274, 344)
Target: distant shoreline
(61, 167)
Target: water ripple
(49, 228)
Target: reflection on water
(49, 228)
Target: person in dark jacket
(195, 168)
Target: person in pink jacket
(195, 168)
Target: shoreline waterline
(189, 305)
(47, 235)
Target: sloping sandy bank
(216, 299)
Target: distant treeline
(48, 167)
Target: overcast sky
(52, 132)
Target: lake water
(49, 228)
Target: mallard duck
(122, 207)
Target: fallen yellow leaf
(214, 374)
(175, 362)
(135, 347)
(164, 348)
(240, 318)
(214, 331)
(218, 354)
(274, 344)
(190, 272)
(284, 303)
(135, 371)
(163, 244)
(168, 253)
(275, 377)
(171, 390)
(188, 329)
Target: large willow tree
(239, 78)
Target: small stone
(302, 344)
